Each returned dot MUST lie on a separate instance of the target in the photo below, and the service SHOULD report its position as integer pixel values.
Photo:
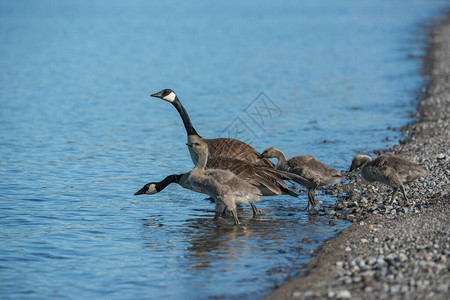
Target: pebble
(307, 294)
(344, 294)
(440, 156)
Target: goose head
(167, 95)
(149, 189)
(270, 152)
(201, 148)
(358, 161)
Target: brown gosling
(390, 170)
(313, 173)
(223, 186)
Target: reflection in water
(268, 244)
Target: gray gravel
(394, 252)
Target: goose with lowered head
(225, 147)
(269, 181)
(313, 172)
(390, 170)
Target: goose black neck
(190, 130)
(166, 181)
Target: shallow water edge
(331, 274)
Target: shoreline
(393, 252)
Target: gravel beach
(393, 252)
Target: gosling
(312, 172)
(390, 170)
(223, 186)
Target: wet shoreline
(394, 252)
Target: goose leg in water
(256, 211)
(311, 199)
(220, 209)
(235, 216)
(404, 195)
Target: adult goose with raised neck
(224, 147)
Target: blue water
(80, 134)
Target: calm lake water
(80, 134)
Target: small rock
(368, 289)
(403, 257)
(394, 289)
(364, 241)
(372, 261)
(345, 294)
(357, 279)
(440, 156)
(306, 294)
(306, 240)
(368, 279)
(390, 258)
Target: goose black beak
(141, 191)
(157, 95)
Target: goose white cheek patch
(170, 97)
(151, 190)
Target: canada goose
(390, 170)
(225, 187)
(269, 181)
(313, 172)
(225, 147)
(152, 188)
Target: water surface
(80, 134)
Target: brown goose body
(311, 172)
(391, 170)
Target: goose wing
(227, 147)
(261, 177)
